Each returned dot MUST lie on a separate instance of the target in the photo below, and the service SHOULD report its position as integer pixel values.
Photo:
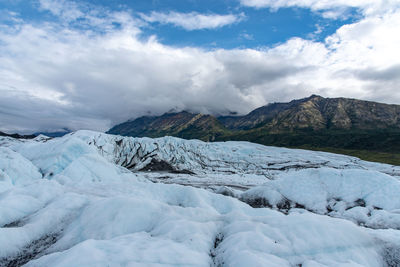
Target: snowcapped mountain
(93, 199)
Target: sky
(93, 64)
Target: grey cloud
(25, 114)
(388, 74)
(245, 72)
(385, 75)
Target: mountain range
(19, 136)
(349, 126)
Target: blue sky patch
(257, 27)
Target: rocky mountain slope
(318, 113)
(182, 124)
(332, 124)
(121, 201)
(15, 135)
(314, 113)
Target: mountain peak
(313, 121)
(315, 96)
(181, 124)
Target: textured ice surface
(220, 157)
(72, 201)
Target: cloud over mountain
(94, 74)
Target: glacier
(93, 199)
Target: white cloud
(66, 9)
(314, 4)
(54, 76)
(246, 36)
(193, 20)
(328, 8)
(88, 15)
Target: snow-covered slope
(92, 199)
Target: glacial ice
(81, 200)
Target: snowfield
(92, 199)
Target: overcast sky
(90, 65)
